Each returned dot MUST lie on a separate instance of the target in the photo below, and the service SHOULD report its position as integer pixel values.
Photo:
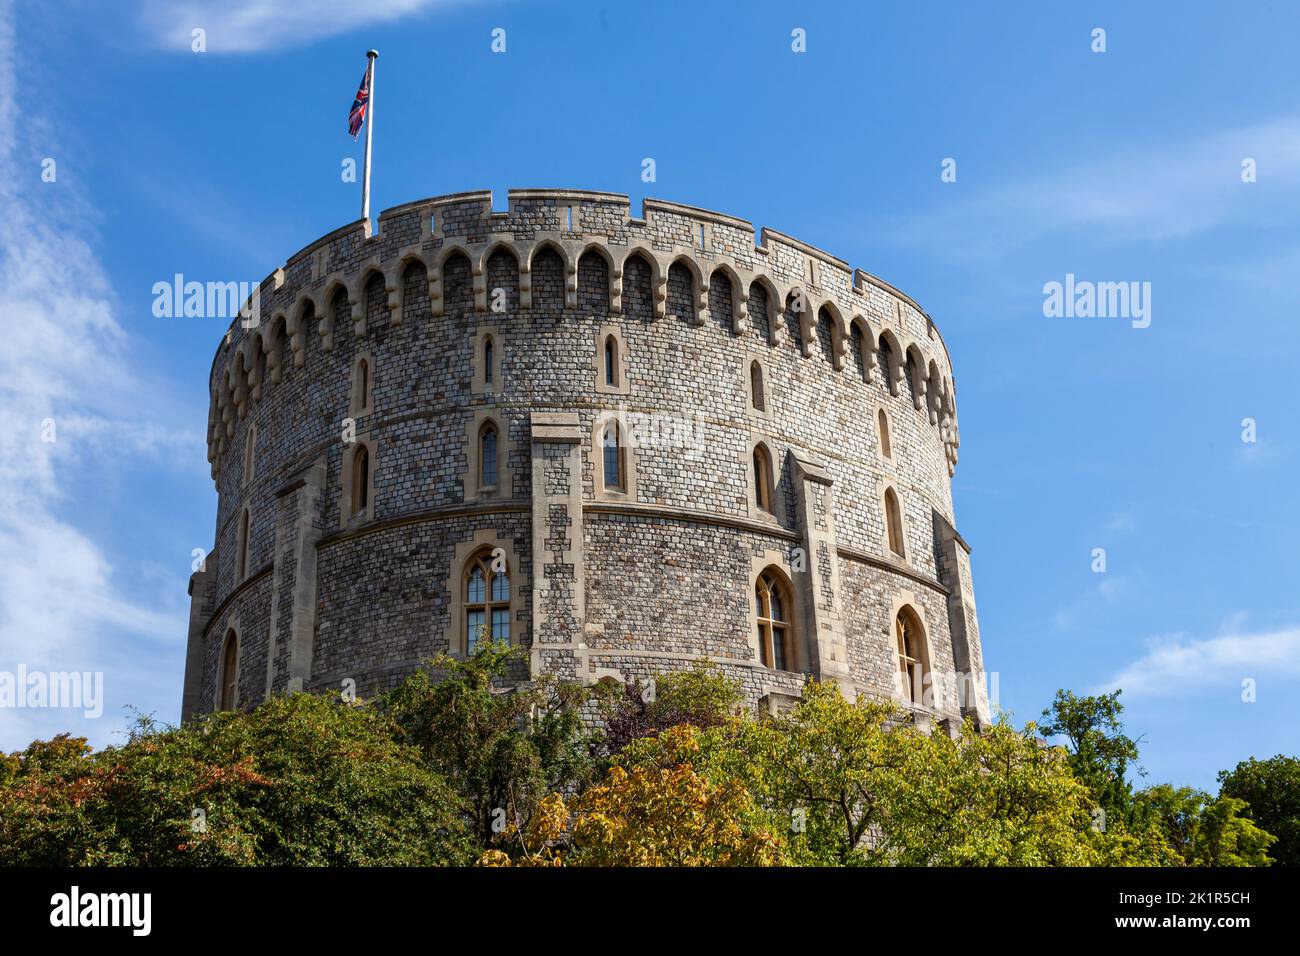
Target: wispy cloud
(1174, 664)
(64, 374)
(249, 26)
(1174, 190)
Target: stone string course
(604, 584)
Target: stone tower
(626, 444)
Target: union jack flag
(358, 114)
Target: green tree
(1271, 790)
(991, 798)
(1202, 829)
(702, 697)
(502, 749)
(301, 780)
(1100, 753)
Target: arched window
(762, 478)
(912, 663)
(882, 421)
(488, 351)
(772, 606)
(487, 601)
(757, 396)
(893, 522)
(250, 451)
(611, 361)
(487, 456)
(360, 480)
(612, 447)
(242, 552)
(229, 672)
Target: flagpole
(370, 130)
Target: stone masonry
(346, 437)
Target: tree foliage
(301, 780)
(1202, 829)
(702, 697)
(1100, 752)
(501, 749)
(1271, 790)
(646, 815)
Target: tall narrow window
(611, 361)
(487, 601)
(911, 656)
(361, 480)
(229, 672)
(612, 443)
(242, 564)
(363, 383)
(488, 351)
(487, 450)
(757, 397)
(250, 450)
(762, 478)
(772, 611)
(893, 522)
(883, 422)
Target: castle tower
(624, 444)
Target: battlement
(861, 309)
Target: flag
(358, 114)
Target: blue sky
(1077, 433)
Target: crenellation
(652, 572)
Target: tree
(1271, 790)
(299, 781)
(1204, 830)
(990, 798)
(702, 697)
(1100, 752)
(501, 749)
(649, 815)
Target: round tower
(625, 444)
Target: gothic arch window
(488, 441)
(487, 600)
(773, 607)
(611, 361)
(363, 382)
(893, 523)
(360, 479)
(229, 672)
(250, 452)
(913, 659)
(614, 467)
(882, 424)
(242, 547)
(763, 478)
(757, 394)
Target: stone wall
(631, 580)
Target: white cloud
(1175, 664)
(1172, 191)
(248, 26)
(65, 358)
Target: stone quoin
(626, 445)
